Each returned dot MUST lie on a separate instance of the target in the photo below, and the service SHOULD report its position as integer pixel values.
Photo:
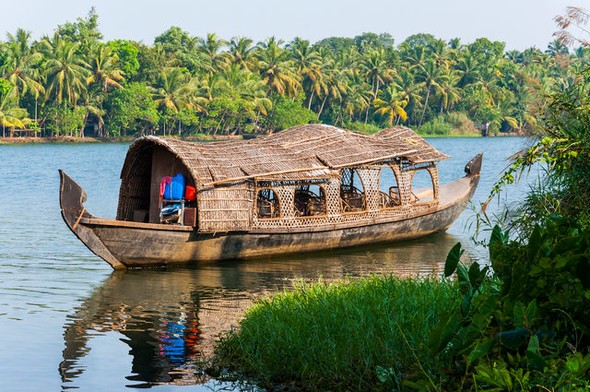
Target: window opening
(422, 187)
(352, 192)
(388, 188)
(310, 200)
(267, 204)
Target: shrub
(287, 113)
(462, 124)
(437, 126)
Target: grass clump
(357, 335)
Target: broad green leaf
(444, 331)
(453, 259)
(534, 244)
(531, 311)
(463, 279)
(498, 237)
(518, 313)
(475, 276)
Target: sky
(520, 24)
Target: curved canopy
(301, 152)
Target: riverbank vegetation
(519, 323)
(74, 83)
(343, 336)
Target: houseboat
(308, 188)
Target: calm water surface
(67, 321)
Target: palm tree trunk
(322, 107)
(376, 89)
(310, 99)
(425, 105)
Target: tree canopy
(188, 85)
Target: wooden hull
(130, 244)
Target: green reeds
(342, 336)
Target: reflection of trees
(171, 319)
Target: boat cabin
(310, 177)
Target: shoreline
(196, 138)
(91, 139)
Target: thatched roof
(301, 152)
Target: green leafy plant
(523, 323)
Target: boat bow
(71, 200)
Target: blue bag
(175, 190)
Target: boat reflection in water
(170, 319)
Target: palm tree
(276, 70)
(105, 72)
(358, 97)
(241, 51)
(65, 70)
(469, 68)
(430, 76)
(514, 55)
(21, 63)
(405, 83)
(336, 86)
(211, 46)
(391, 105)
(176, 92)
(488, 80)
(309, 67)
(344, 59)
(92, 104)
(11, 116)
(247, 88)
(439, 50)
(450, 92)
(376, 69)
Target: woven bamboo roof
(306, 151)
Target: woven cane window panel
(303, 204)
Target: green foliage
(127, 54)
(356, 81)
(563, 150)
(437, 126)
(462, 124)
(287, 113)
(449, 124)
(368, 334)
(526, 325)
(83, 31)
(367, 129)
(131, 111)
(64, 120)
(367, 41)
(335, 44)
(5, 87)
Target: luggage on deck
(174, 190)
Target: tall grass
(340, 336)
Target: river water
(67, 321)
